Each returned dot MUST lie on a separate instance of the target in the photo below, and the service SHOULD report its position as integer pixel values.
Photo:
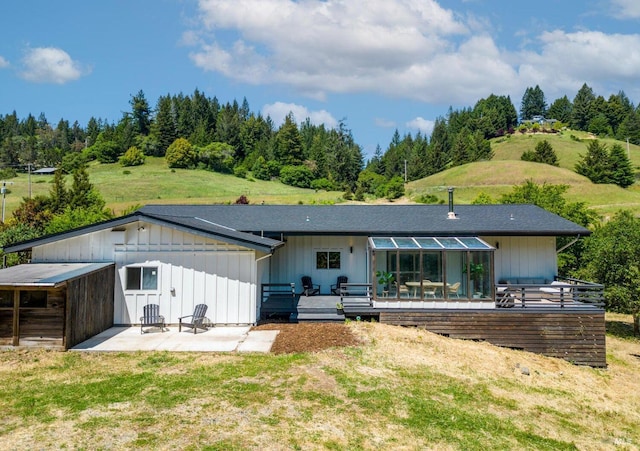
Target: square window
(142, 278)
(328, 260)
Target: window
(328, 260)
(142, 278)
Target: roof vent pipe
(451, 214)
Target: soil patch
(309, 337)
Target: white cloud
(50, 65)
(322, 47)
(413, 49)
(423, 125)
(3, 62)
(625, 9)
(384, 123)
(567, 60)
(279, 110)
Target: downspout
(568, 245)
(262, 258)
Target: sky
(377, 65)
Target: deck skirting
(575, 335)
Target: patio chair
(335, 289)
(308, 287)
(404, 291)
(197, 319)
(428, 290)
(151, 317)
(452, 290)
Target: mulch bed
(309, 337)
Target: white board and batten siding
(524, 256)
(298, 258)
(190, 270)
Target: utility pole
(29, 170)
(3, 190)
(628, 153)
(405, 171)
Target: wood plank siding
(575, 335)
(90, 300)
(59, 316)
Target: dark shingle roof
(252, 225)
(375, 219)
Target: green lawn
(154, 182)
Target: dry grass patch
(390, 388)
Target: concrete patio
(215, 339)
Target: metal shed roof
(46, 274)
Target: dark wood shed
(55, 305)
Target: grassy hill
(154, 182)
(499, 175)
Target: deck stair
(320, 308)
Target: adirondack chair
(335, 289)
(197, 319)
(151, 317)
(309, 288)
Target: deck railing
(268, 290)
(563, 292)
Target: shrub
(299, 176)
(242, 200)
(217, 156)
(427, 199)
(8, 173)
(180, 154)
(132, 157)
(240, 171)
(265, 170)
(324, 184)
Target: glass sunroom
(426, 268)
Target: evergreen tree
(439, 147)
(561, 110)
(288, 145)
(495, 115)
(617, 109)
(620, 167)
(375, 164)
(164, 127)
(595, 163)
(630, 128)
(82, 194)
(543, 153)
(533, 104)
(582, 111)
(58, 195)
(141, 113)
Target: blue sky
(379, 64)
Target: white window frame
(142, 270)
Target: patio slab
(216, 339)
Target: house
(471, 261)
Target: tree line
(233, 139)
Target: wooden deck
(573, 334)
(548, 324)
